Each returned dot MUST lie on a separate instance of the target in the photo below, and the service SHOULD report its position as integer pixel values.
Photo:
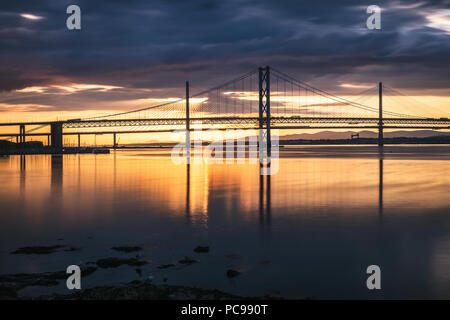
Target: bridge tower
(264, 113)
(188, 124)
(380, 115)
(56, 136)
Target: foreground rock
(127, 248)
(139, 290)
(187, 260)
(201, 249)
(117, 262)
(232, 273)
(165, 266)
(135, 290)
(40, 249)
(10, 284)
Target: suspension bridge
(262, 99)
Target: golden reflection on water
(317, 216)
(100, 183)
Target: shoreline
(49, 150)
(15, 286)
(282, 146)
(10, 286)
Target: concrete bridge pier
(56, 136)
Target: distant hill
(363, 134)
(333, 135)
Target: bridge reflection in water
(309, 177)
(318, 215)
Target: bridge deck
(225, 123)
(281, 121)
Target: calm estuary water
(309, 230)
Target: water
(309, 230)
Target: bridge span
(263, 107)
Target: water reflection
(300, 185)
(319, 217)
(188, 192)
(264, 203)
(56, 180)
(380, 190)
(22, 173)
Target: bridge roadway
(293, 122)
(217, 123)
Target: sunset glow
(217, 159)
(30, 16)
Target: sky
(130, 54)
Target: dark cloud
(13, 79)
(160, 44)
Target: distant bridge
(263, 99)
